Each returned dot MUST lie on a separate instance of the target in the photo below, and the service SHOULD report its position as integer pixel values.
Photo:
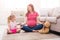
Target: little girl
(13, 27)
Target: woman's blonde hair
(10, 18)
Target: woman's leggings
(29, 29)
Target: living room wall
(7, 5)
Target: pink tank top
(32, 19)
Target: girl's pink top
(32, 19)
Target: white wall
(50, 3)
(7, 5)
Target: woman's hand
(23, 23)
(39, 22)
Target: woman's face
(29, 8)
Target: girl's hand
(23, 23)
(18, 23)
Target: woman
(32, 22)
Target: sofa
(51, 15)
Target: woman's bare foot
(35, 31)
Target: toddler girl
(13, 27)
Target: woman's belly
(31, 23)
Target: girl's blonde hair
(10, 18)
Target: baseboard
(55, 32)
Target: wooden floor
(29, 36)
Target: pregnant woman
(32, 23)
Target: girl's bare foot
(18, 30)
(9, 32)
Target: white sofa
(51, 15)
(55, 27)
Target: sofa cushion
(42, 18)
(51, 19)
(19, 13)
(54, 12)
(43, 13)
(20, 19)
